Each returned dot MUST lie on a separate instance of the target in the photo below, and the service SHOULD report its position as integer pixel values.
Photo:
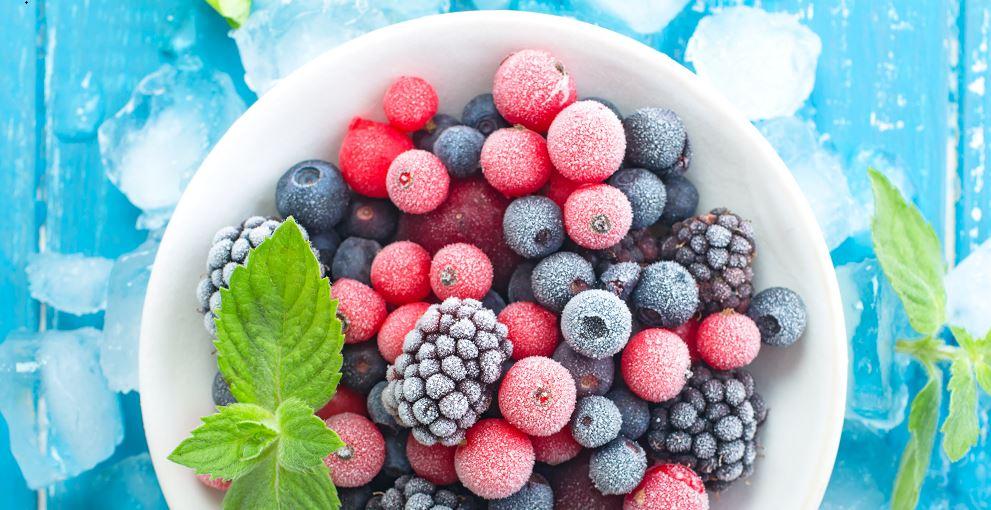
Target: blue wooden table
(905, 77)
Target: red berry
(655, 364)
(409, 103)
(515, 161)
(532, 329)
(559, 188)
(537, 396)
(597, 216)
(345, 400)
(401, 273)
(360, 309)
(214, 483)
(495, 460)
(728, 340)
(531, 87)
(434, 463)
(393, 332)
(586, 142)
(573, 488)
(417, 182)
(556, 448)
(688, 331)
(667, 486)
(366, 152)
(460, 270)
(362, 455)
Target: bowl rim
(717, 104)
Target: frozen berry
(494, 301)
(557, 448)
(481, 114)
(779, 314)
(345, 400)
(618, 467)
(515, 161)
(728, 340)
(214, 483)
(535, 495)
(314, 193)
(656, 139)
(607, 103)
(532, 329)
(682, 199)
(596, 323)
(573, 488)
(621, 279)
(460, 149)
(425, 138)
(635, 411)
(396, 462)
(667, 295)
(597, 216)
(417, 181)
(366, 152)
(460, 270)
(222, 391)
(596, 421)
(646, 194)
(520, 288)
(434, 463)
(560, 277)
(586, 142)
(371, 218)
(377, 411)
(326, 245)
(655, 364)
(409, 103)
(353, 259)
(533, 226)
(361, 458)
(360, 309)
(354, 498)
(363, 366)
(591, 376)
(401, 273)
(495, 460)
(537, 396)
(531, 87)
(667, 486)
(393, 332)
(559, 188)
(689, 334)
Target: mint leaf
(910, 255)
(271, 486)
(305, 439)
(229, 443)
(926, 350)
(922, 421)
(979, 352)
(960, 429)
(234, 11)
(278, 335)
(982, 372)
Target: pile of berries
(535, 314)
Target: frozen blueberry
(596, 323)
(459, 148)
(780, 315)
(356, 498)
(635, 411)
(363, 366)
(535, 495)
(313, 192)
(520, 288)
(424, 139)
(645, 192)
(592, 376)
(607, 103)
(396, 461)
(666, 296)
(481, 114)
(326, 244)
(376, 409)
(354, 259)
(370, 218)
(533, 226)
(596, 421)
(682, 199)
(656, 139)
(618, 467)
(493, 301)
(621, 279)
(221, 391)
(560, 277)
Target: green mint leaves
(922, 421)
(234, 11)
(279, 347)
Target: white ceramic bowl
(305, 117)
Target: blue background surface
(894, 75)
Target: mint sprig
(236, 12)
(279, 347)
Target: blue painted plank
(973, 214)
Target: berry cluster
(535, 314)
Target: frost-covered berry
(596, 323)
(537, 396)
(620, 279)
(531, 87)
(363, 454)
(425, 138)
(689, 334)
(376, 409)
(779, 314)
(586, 142)
(728, 340)
(635, 411)
(656, 139)
(313, 192)
(618, 467)
(393, 332)
(396, 464)
(607, 103)
(409, 103)
(655, 364)
(596, 421)
(360, 309)
(667, 295)
(559, 277)
(417, 182)
(559, 188)
(494, 301)
(591, 376)
(353, 259)
(434, 463)
(646, 194)
(460, 148)
(326, 244)
(214, 483)
(371, 218)
(366, 152)
(460, 270)
(533, 226)
(515, 161)
(481, 114)
(222, 391)
(495, 460)
(557, 448)
(363, 366)
(535, 495)
(400, 273)
(345, 400)
(597, 216)
(532, 329)
(520, 287)
(667, 486)
(573, 488)
(682, 199)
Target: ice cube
(63, 419)
(967, 286)
(764, 63)
(72, 283)
(280, 36)
(154, 144)
(122, 321)
(127, 484)
(638, 16)
(862, 476)
(820, 174)
(887, 164)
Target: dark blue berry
(656, 139)
(666, 296)
(376, 409)
(326, 244)
(596, 421)
(520, 288)
(596, 323)
(533, 226)
(560, 277)
(356, 498)
(592, 376)
(493, 301)
(682, 199)
(535, 495)
(459, 148)
(354, 259)
(481, 114)
(621, 279)
(313, 192)
(363, 366)
(618, 467)
(424, 139)
(370, 218)
(221, 391)
(780, 315)
(396, 462)
(645, 192)
(635, 411)
(607, 103)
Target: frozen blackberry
(354, 259)
(656, 139)
(459, 148)
(666, 296)
(363, 366)
(638, 246)
(711, 426)
(596, 421)
(221, 391)
(779, 314)
(425, 138)
(533, 226)
(376, 409)
(620, 279)
(396, 462)
(326, 244)
(682, 199)
(520, 286)
(618, 467)
(607, 103)
(481, 114)
(718, 250)
(535, 495)
(592, 376)
(493, 301)
(645, 192)
(370, 218)
(596, 323)
(444, 379)
(560, 277)
(415, 493)
(314, 193)
(635, 411)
